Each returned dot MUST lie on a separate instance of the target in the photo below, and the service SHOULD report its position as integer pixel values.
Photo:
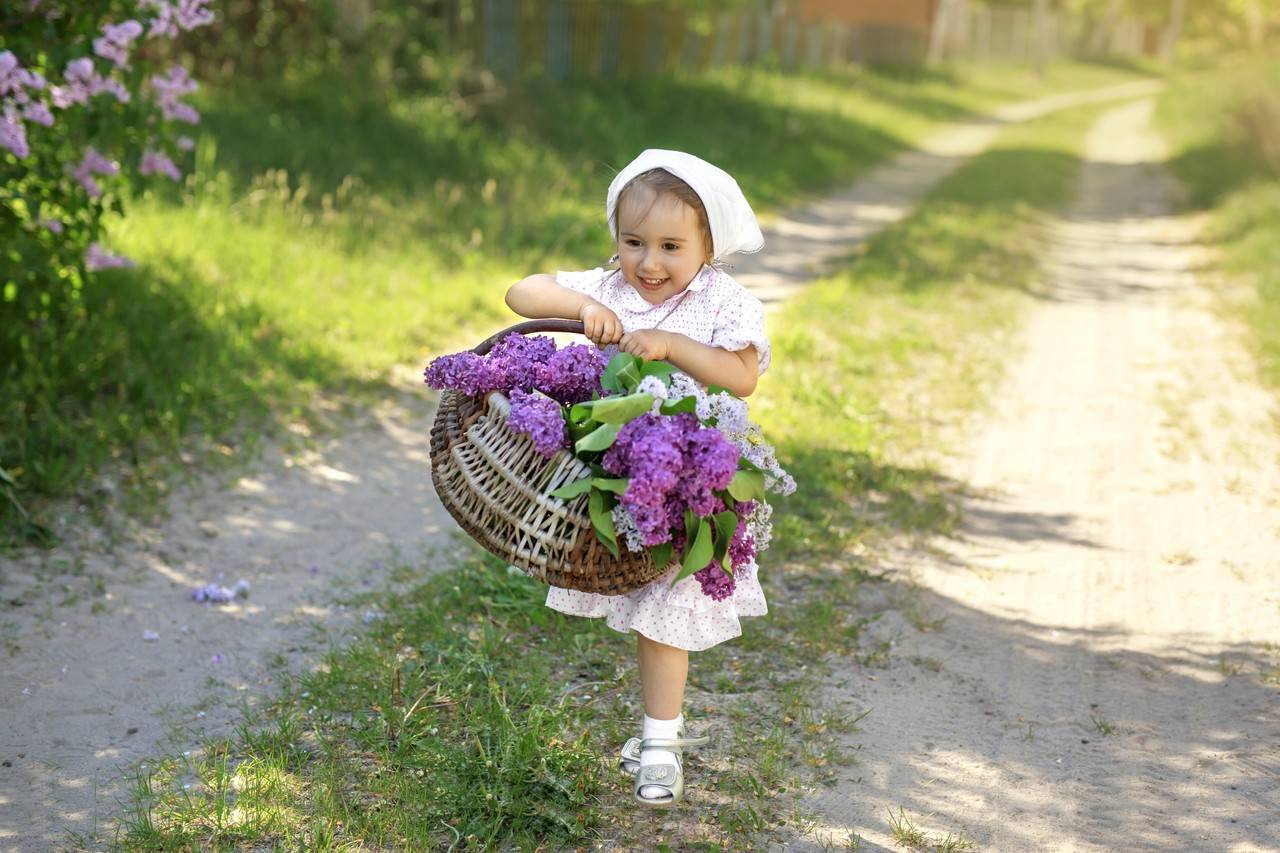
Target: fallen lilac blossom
(150, 636)
(220, 594)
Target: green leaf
(580, 413)
(619, 410)
(697, 557)
(747, 486)
(726, 526)
(572, 490)
(617, 486)
(601, 438)
(660, 369)
(662, 554)
(684, 404)
(602, 521)
(622, 373)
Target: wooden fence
(559, 38)
(588, 37)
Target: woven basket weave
(497, 487)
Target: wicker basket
(497, 486)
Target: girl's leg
(663, 670)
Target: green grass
(326, 235)
(472, 715)
(1224, 125)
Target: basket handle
(528, 327)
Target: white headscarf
(733, 223)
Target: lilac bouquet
(675, 469)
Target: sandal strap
(667, 743)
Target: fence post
(610, 29)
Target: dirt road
(86, 695)
(1102, 679)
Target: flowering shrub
(674, 469)
(82, 109)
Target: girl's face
(660, 243)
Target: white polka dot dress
(713, 310)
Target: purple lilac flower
(571, 375)
(465, 372)
(97, 258)
(38, 112)
(673, 463)
(169, 88)
(221, 594)
(115, 40)
(12, 133)
(81, 81)
(93, 163)
(541, 418)
(157, 161)
(715, 581)
(742, 548)
(512, 364)
(515, 360)
(54, 225)
(186, 143)
(163, 24)
(192, 14)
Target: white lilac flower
(653, 386)
(626, 527)
(760, 525)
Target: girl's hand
(649, 344)
(600, 325)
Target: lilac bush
(84, 110)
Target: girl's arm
(736, 370)
(537, 296)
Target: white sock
(649, 757)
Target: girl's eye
(672, 247)
(633, 243)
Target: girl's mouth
(652, 283)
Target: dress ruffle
(680, 616)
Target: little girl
(671, 215)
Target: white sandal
(669, 776)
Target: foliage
(80, 94)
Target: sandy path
(85, 695)
(1121, 569)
